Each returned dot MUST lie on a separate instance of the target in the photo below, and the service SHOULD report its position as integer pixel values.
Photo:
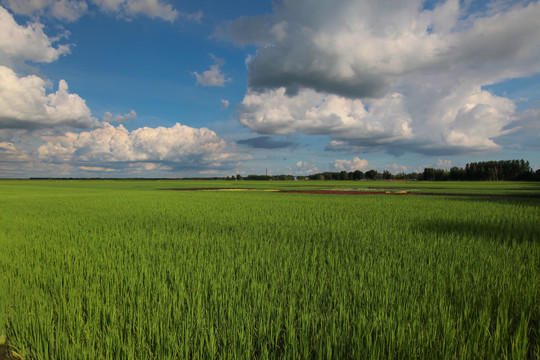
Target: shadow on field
(4, 352)
(522, 201)
(517, 231)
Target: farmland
(125, 269)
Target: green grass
(118, 269)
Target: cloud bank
(178, 146)
(386, 75)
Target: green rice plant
(106, 270)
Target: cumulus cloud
(396, 168)
(465, 120)
(129, 9)
(25, 104)
(72, 10)
(273, 112)
(96, 169)
(110, 118)
(224, 104)
(66, 10)
(399, 78)
(132, 8)
(176, 147)
(443, 164)
(357, 49)
(214, 76)
(351, 165)
(304, 168)
(9, 152)
(19, 43)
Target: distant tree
(238, 177)
(283, 177)
(386, 175)
(372, 174)
(429, 174)
(258, 177)
(457, 173)
(343, 175)
(358, 175)
(331, 175)
(499, 170)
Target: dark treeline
(368, 175)
(508, 170)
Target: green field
(124, 270)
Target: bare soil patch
(352, 192)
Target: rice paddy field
(129, 270)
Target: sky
(171, 88)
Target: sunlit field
(127, 270)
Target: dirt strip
(350, 192)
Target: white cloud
(273, 112)
(224, 104)
(396, 168)
(150, 8)
(20, 43)
(467, 119)
(11, 153)
(72, 10)
(96, 169)
(144, 167)
(68, 10)
(304, 168)
(24, 104)
(214, 76)
(399, 78)
(179, 146)
(351, 165)
(110, 118)
(358, 48)
(209, 172)
(443, 164)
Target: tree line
(507, 170)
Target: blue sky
(162, 88)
